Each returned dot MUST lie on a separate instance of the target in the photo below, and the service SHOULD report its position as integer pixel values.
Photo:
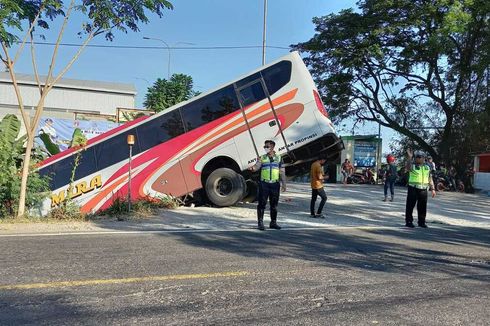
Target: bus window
(114, 150)
(246, 80)
(209, 108)
(86, 164)
(277, 76)
(252, 94)
(159, 130)
(62, 172)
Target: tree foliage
(165, 93)
(97, 18)
(11, 156)
(420, 67)
(100, 17)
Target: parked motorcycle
(364, 177)
(443, 183)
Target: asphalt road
(330, 276)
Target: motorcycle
(364, 177)
(443, 183)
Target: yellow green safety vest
(419, 176)
(269, 171)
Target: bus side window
(159, 130)
(62, 172)
(252, 94)
(209, 108)
(114, 150)
(277, 76)
(86, 165)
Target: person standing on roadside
(347, 170)
(419, 180)
(431, 164)
(317, 176)
(390, 177)
(272, 181)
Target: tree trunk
(25, 175)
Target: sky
(193, 24)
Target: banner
(60, 131)
(364, 154)
(125, 115)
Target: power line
(163, 48)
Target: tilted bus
(206, 143)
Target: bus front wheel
(225, 187)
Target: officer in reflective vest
(272, 176)
(419, 180)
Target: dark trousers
(419, 197)
(268, 191)
(391, 184)
(314, 194)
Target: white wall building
(68, 96)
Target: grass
(142, 208)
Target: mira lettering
(76, 190)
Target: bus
(203, 145)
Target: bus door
(262, 122)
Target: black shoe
(423, 226)
(274, 226)
(313, 215)
(320, 216)
(409, 225)
(261, 226)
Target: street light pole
(130, 140)
(378, 161)
(264, 32)
(168, 48)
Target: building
(363, 152)
(482, 172)
(67, 98)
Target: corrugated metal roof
(93, 85)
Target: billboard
(60, 131)
(365, 154)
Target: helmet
(390, 158)
(419, 154)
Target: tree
(99, 18)
(165, 93)
(11, 156)
(420, 67)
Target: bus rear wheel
(252, 191)
(225, 187)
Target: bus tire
(225, 187)
(252, 191)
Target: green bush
(11, 156)
(141, 207)
(67, 211)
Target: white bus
(207, 142)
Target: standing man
(431, 164)
(317, 177)
(390, 177)
(419, 180)
(272, 180)
(347, 170)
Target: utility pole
(264, 32)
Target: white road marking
(251, 229)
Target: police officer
(419, 180)
(272, 176)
